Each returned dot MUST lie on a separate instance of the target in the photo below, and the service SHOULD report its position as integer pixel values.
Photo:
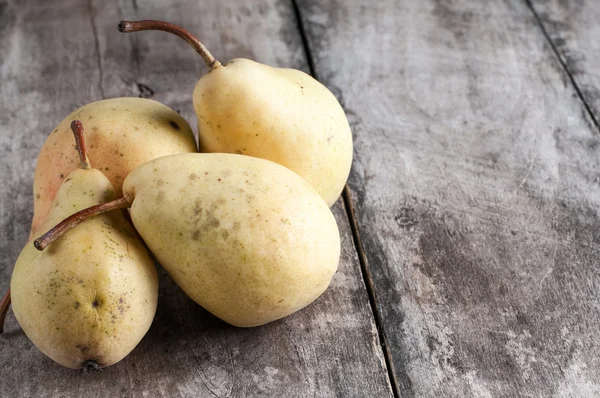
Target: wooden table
(470, 229)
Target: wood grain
(573, 28)
(58, 55)
(475, 185)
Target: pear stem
(4, 304)
(82, 151)
(70, 222)
(137, 26)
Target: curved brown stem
(70, 222)
(4, 304)
(82, 151)
(137, 26)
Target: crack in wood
(563, 65)
(404, 381)
(366, 273)
(97, 46)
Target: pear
(122, 133)
(247, 239)
(279, 114)
(88, 300)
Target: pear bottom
(90, 296)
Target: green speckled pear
(87, 301)
(246, 238)
(280, 114)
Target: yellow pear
(88, 300)
(122, 133)
(246, 238)
(283, 115)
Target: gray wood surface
(474, 193)
(475, 187)
(574, 30)
(58, 55)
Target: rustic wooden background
(471, 248)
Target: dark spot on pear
(196, 234)
(90, 366)
(225, 234)
(174, 125)
(193, 176)
(96, 303)
(62, 175)
(197, 207)
(76, 305)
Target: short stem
(137, 26)
(84, 159)
(4, 304)
(70, 222)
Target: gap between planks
(365, 270)
(564, 66)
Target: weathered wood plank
(329, 349)
(475, 185)
(574, 30)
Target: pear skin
(88, 299)
(246, 238)
(122, 133)
(283, 115)
(278, 114)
